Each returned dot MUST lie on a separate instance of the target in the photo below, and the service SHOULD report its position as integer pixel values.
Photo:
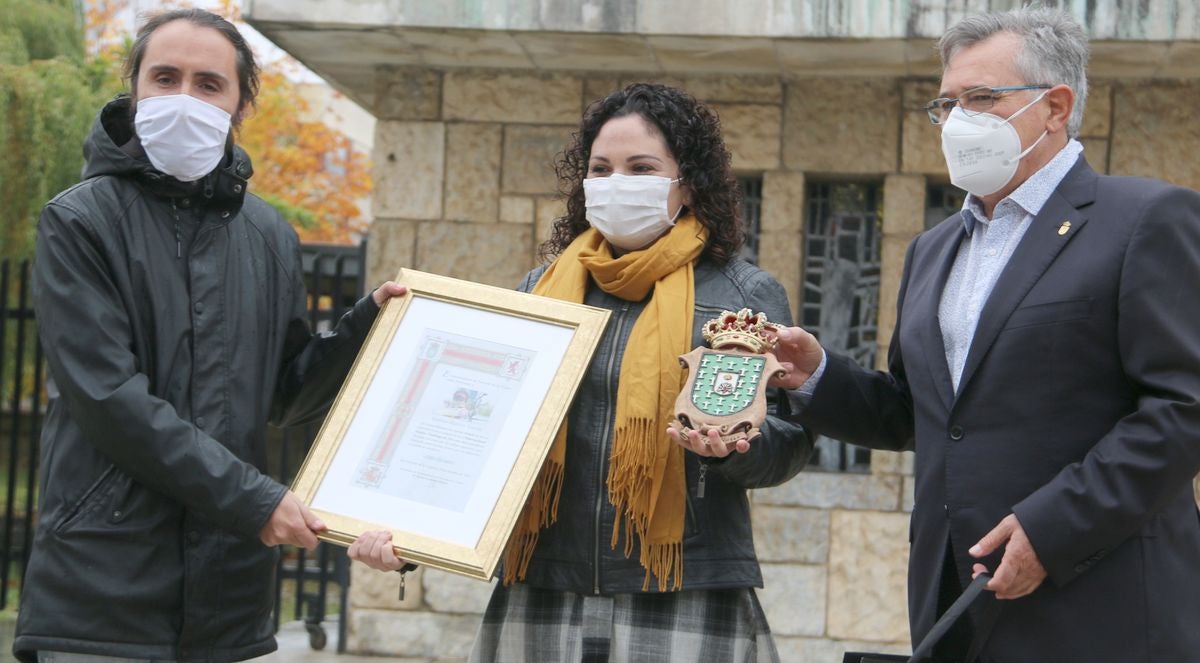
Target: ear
(686, 191)
(1061, 99)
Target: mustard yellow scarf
(646, 480)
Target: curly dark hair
(693, 134)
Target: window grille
(841, 288)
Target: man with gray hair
(1045, 366)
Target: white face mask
(183, 136)
(629, 210)
(982, 151)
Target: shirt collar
(1033, 192)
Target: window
(751, 215)
(942, 200)
(841, 288)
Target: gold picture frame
(443, 423)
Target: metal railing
(21, 402)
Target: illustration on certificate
(445, 417)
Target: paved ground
(294, 647)
(293, 639)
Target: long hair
(692, 132)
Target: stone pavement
(294, 647)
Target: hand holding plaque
(727, 382)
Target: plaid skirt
(526, 624)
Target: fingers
(1020, 571)
(1009, 581)
(376, 551)
(291, 522)
(993, 539)
(709, 444)
(799, 354)
(297, 523)
(387, 291)
(311, 520)
(299, 532)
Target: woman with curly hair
(636, 543)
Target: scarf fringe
(631, 474)
(663, 560)
(630, 478)
(542, 509)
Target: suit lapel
(931, 327)
(1038, 248)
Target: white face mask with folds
(631, 211)
(183, 136)
(983, 151)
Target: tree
(310, 172)
(53, 81)
(48, 96)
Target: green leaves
(48, 97)
(40, 30)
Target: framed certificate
(445, 419)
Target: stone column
(1096, 131)
(903, 219)
(781, 233)
(409, 164)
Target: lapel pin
(1064, 228)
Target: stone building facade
(820, 106)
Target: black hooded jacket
(173, 318)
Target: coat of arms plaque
(726, 385)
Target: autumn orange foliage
(304, 164)
(306, 169)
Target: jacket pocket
(1050, 313)
(92, 498)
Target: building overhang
(347, 41)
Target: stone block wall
(465, 187)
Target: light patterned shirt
(986, 250)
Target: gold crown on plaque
(745, 329)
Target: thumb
(992, 540)
(314, 523)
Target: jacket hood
(104, 153)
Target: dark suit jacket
(1078, 410)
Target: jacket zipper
(604, 445)
(178, 232)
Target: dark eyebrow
(597, 157)
(164, 68)
(172, 69)
(644, 156)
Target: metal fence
(306, 583)
(21, 404)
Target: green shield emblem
(726, 384)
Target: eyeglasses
(973, 102)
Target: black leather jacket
(173, 319)
(575, 554)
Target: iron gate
(305, 583)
